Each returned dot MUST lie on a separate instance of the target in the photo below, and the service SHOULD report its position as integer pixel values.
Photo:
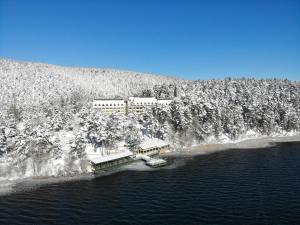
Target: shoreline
(24, 184)
(246, 143)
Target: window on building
(106, 104)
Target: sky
(202, 39)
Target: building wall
(154, 150)
(142, 100)
(139, 104)
(109, 106)
(164, 102)
(112, 163)
(135, 105)
(164, 149)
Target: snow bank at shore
(249, 140)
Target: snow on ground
(137, 166)
(15, 183)
(248, 140)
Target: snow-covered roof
(153, 143)
(164, 102)
(109, 101)
(107, 158)
(142, 99)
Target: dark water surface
(257, 186)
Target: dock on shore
(152, 162)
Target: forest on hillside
(41, 104)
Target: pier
(152, 162)
(148, 151)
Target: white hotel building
(136, 105)
(109, 106)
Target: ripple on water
(234, 187)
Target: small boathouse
(152, 146)
(110, 161)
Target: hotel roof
(109, 99)
(141, 97)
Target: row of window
(123, 104)
(150, 103)
(131, 108)
(136, 107)
(147, 150)
(108, 104)
(113, 109)
(145, 103)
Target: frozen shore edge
(244, 143)
(13, 186)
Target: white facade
(164, 102)
(139, 104)
(153, 146)
(109, 106)
(142, 100)
(148, 101)
(133, 105)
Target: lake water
(245, 186)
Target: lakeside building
(148, 151)
(153, 146)
(136, 105)
(110, 161)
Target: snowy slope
(47, 122)
(34, 84)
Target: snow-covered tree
(132, 137)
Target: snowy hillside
(47, 123)
(36, 84)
